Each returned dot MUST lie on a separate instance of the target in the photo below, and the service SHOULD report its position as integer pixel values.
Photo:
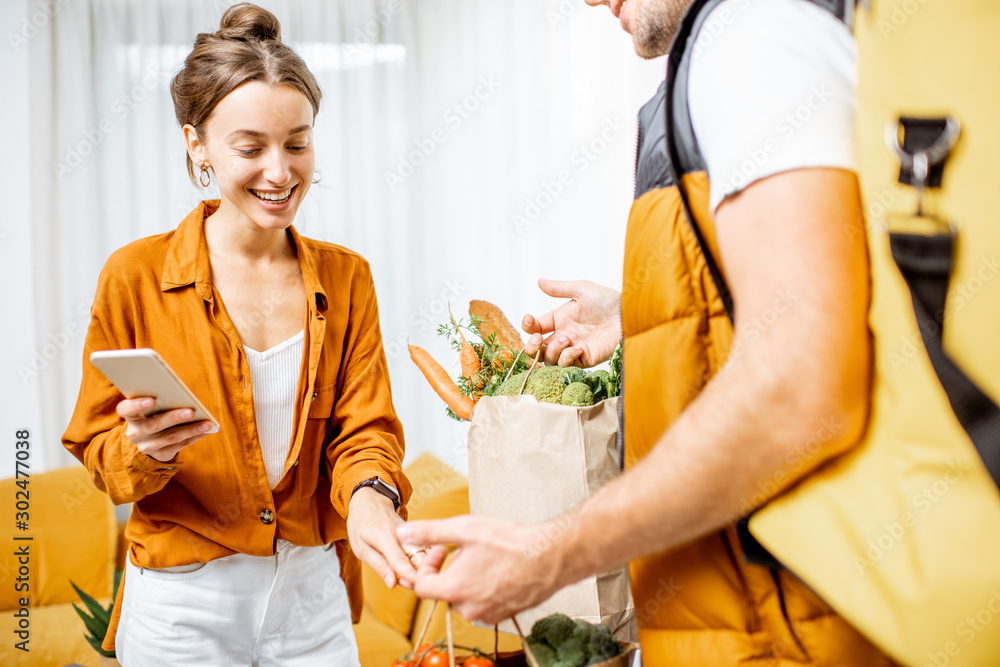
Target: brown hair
(247, 47)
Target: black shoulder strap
(680, 138)
(926, 263)
(675, 59)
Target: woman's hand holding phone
(162, 435)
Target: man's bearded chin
(656, 26)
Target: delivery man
(720, 415)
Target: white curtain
(466, 148)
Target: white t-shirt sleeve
(771, 88)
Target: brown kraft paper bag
(532, 461)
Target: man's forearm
(748, 435)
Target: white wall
(19, 392)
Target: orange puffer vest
(700, 604)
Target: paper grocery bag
(530, 462)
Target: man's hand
(582, 332)
(371, 530)
(498, 571)
(160, 436)
(793, 393)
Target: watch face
(383, 488)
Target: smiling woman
(278, 336)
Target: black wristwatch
(383, 488)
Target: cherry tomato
(402, 663)
(478, 661)
(435, 658)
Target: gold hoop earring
(205, 176)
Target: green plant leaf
(96, 645)
(93, 606)
(94, 626)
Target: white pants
(286, 610)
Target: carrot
(470, 360)
(501, 357)
(493, 319)
(441, 383)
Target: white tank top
(275, 377)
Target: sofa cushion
(378, 644)
(57, 639)
(74, 534)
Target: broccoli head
(602, 384)
(546, 384)
(602, 646)
(511, 385)
(559, 641)
(582, 630)
(577, 394)
(572, 653)
(544, 654)
(552, 630)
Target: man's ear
(195, 146)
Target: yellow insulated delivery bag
(902, 535)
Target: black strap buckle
(922, 146)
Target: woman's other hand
(160, 436)
(582, 332)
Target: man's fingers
(561, 289)
(431, 561)
(531, 346)
(443, 531)
(554, 347)
(398, 560)
(436, 585)
(570, 355)
(530, 325)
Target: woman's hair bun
(249, 23)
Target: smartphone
(143, 372)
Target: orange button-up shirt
(213, 499)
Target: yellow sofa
(75, 536)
